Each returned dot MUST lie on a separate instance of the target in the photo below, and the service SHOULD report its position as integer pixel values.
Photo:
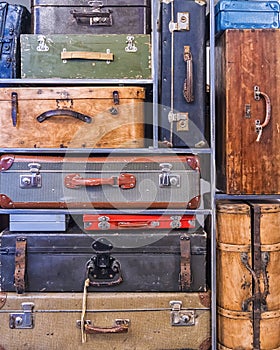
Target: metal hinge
(183, 22)
(181, 317)
(22, 320)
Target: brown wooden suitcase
(97, 181)
(120, 321)
(248, 290)
(72, 117)
(248, 111)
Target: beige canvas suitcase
(72, 117)
(119, 321)
(248, 262)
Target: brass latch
(181, 317)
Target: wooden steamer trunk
(72, 117)
(120, 321)
(248, 111)
(248, 291)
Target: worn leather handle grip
(104, 330)
(85, 55)
(128, 224)
(124, 181)
(188, 83)
(63, 112)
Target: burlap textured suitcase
(86, 56)
(72, 117)
(14, 20)
(248, 275)
(91, 17)
(120, 321)
(248, 138)
(158, 261)
(115, 181)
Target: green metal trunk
(111, 56)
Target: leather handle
(123, 328)
(63, 112)
(85, 55)
(260, 126)
(188, 83)
(109, 283)
(128, 224)
(124, 181)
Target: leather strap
(20, 264)
(185, 275)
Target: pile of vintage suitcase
(109, 276)
(248, 168)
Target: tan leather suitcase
(248, 112)
(248, 289)
(120, 321)
(72, 117)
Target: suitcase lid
(93, 4)
(247, 6)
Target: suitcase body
(162, 261)
(86, 56)
(149, 181)
(72, 117)
(38, 222)
(233, 14)
(93, 222)
(183, 73)
(14, 20)
(248, 270)
(247, 138)
(95, 17)
(149, 318)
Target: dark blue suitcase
(183, 74)
(246, 14)
(14, 20)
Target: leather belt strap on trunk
(20, 264)
(185, 275)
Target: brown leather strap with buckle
(185, 247)
(20, 264)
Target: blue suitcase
(246, 14)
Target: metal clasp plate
(181, 317)
(31, 180)
(42, 46)
(183, 22)
(131, 47)
(104, 223)
(166, 179)
(22, 320)
(181, 120)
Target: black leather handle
(63, 112)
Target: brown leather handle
(63, 112)
(124, 181)
(128, 224)
(100, 56)
(123, 328)
(188, 83)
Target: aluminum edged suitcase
(91, 17)
(14, 20)
(159, 261)
(123, 321)
(115, 181)
(182, 111)
(72, 117)
(248, 274)
(247, 139)
(246, 14)
(86, 56)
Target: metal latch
(175, 221)
(22, 320)
(166, 179)
(42, 44)
(104, 223)
(131, 47)
(181, 120)
(183, 22)
(31, 180)
(181, 317)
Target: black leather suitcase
(162, 260)
(183, 74)
(91, 17)
(14, 20)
